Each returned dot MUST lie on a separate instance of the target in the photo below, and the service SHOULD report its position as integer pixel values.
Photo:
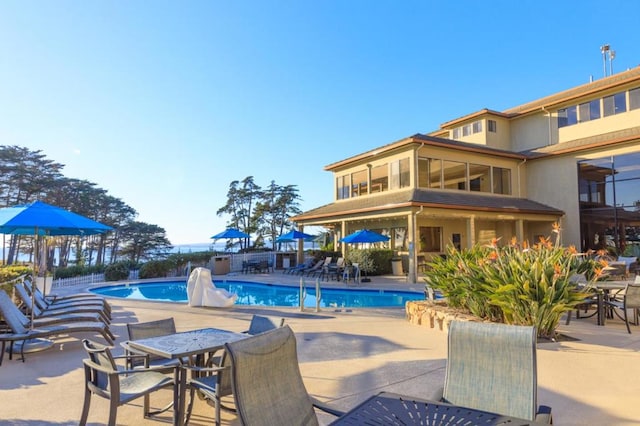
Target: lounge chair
(16, 320)
(492, 367)
(40, 320)
(97, 304)
(299, 267)
(314, 268)
(49, 300)
(80, 307)
(105, 379)
(266, 382)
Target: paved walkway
(345, 356)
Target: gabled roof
(459, 200)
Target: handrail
(21, 278)
(303, 294)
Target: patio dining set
(256, 375)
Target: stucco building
(572, 157)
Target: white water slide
(201, 291)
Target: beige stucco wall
(532, 132)
(600, 126)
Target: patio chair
(143, 330)
(104, 378)
(313, 268)
(260, 324)
(266, 382)
(492, 367)
(84, 299)
(630, 301)
(20, 332)
(211, 382)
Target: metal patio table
(186, 346)
(387, 408)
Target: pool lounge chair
(52, 300)
(41, 320)
(15, 321)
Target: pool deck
(345, 355)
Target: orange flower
(494, 243)
(555, 227)
(572, 249)
(493, 255)
(514, 241)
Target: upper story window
(342, 187)
(492, 126)
(359, 183)
(615, 104)
(567, 116)
(432, 172)
(634, 98)
(379, 178)
(501, 181)
(598, 108)
(589, 110)
(469, 129)
(400, 174)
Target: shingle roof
(430, 198)
(620, 136)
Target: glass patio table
(187, 346)
(392, 409)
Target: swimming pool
(251, 293)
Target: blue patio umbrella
(231, 233)
(292, 236)
(42, 219)
(364, 236)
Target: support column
(300, 254)
(411, 231)
(520, 230)
(471, 231)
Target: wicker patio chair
(266, 382)
(492, 367)
(104, 378)
(16, 320)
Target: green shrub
(155, 269)
(371, 261)
(117, 271)
(511, 284)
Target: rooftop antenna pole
(612, 56)
(604, 49)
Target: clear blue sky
(163, 104)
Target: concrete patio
(346, 355)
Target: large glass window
(567, 116)
(614, 104)
(342, 187)
(455, 175)
(359, 183)
(610, 203)
(479, 178)
(589, 110)
(400, 174)
(379, 178)
(501, 181)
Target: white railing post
(318, 295)
(302, 294)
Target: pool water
(251, 293)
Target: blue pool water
(250, 293)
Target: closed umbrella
(42, 219)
